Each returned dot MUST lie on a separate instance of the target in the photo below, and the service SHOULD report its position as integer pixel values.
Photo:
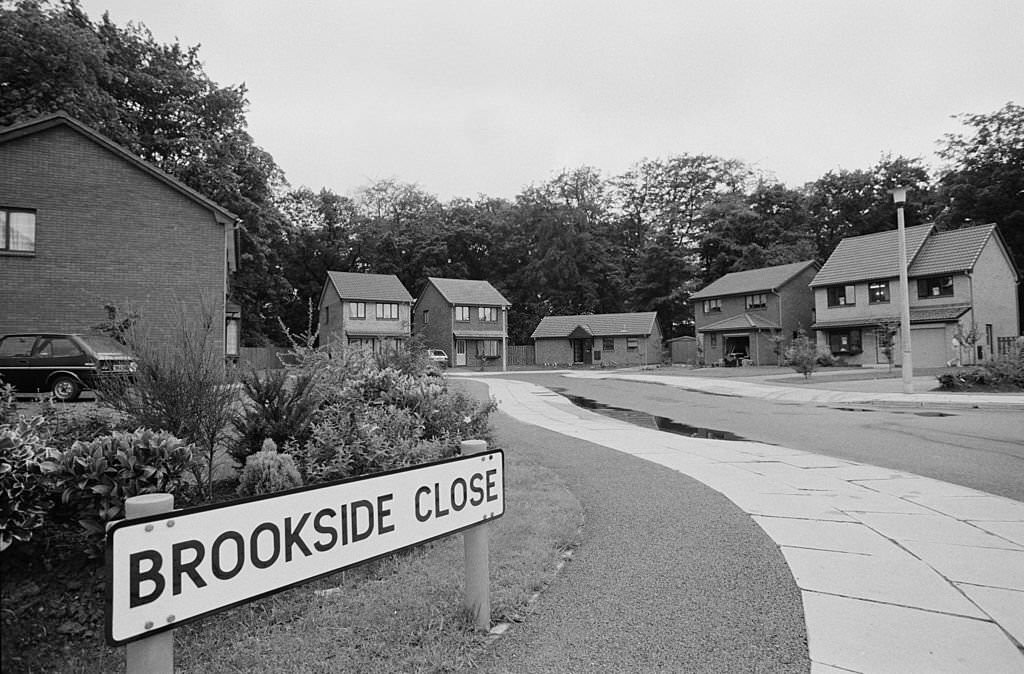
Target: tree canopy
(578, 242)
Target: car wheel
(66, 389)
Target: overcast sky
(474, 97)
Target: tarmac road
(670, 576)
(978, 448)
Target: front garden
(184, 429)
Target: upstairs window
(841, 296)
(632, 344)
(759, 301)
(487, 314)
(935, 286)
(17, 231)
(878, 292)
(608, 343)
(387, 311)
(462, 314)
(357, 310)
(711, 306)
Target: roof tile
(599, 325)
(752, 280)
(369, 287)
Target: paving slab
(862, 636)
(898, 572)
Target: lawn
(402, 613)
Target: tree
(157, 101)
(984, 181)
(851, 203)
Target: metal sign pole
(155, 654)
(476, 543)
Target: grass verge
(402, 613)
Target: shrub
(277, 405)
(26, 462)
(97, 476)
(64, 425)
(267, 471)
(802, 354)
(180, 388)
(376, 418)
(1003, 375)
(8, 408)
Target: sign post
(168, 568)
(155, 654)
(476, 542)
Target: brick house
(737, 315)
(468, 319)
(85, 223)
(963, 295)
(599, 339)
(368, 311)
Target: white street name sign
(164, 570)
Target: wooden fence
(260, 357)
(522, 355)
(1009, 347)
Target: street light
(899, 195)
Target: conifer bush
(268, 471)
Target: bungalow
(963, 296)
(367, 311)
(84, 223)
(467, 319)
(737, 316)
(599, 339)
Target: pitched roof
(948, 252)
(753, 280)
(221, 214)
(598, 325)
(465, 291)
(742, 322)
(368, 287)
(870, 256)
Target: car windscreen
(106, 346)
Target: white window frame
(386, 311)
(462, 314)
(357, 310)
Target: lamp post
(899, 195)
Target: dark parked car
(61, 363)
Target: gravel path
(670, 576)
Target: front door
(460, 352)
(582, 351)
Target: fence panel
(1009, 347)
(522, 355)
(260, 357)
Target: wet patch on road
(648, 420)
(926, 413)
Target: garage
(929, 345)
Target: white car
(438, 356)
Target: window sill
(17, 253)
(840, 306)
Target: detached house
(599, 339)
(963, 295)
(85, 223)
(467, 319)
(367, 311)
(737, 315)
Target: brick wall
(105, 232)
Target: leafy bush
(1000, 375)
(8, 408)
(802, 354)
(64, 424)
(26, 462)
(375, 418)
(97, 476)
(267, 472)
(277, 405)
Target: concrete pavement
(897, 572)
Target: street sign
(164, 570)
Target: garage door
(929, 346)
